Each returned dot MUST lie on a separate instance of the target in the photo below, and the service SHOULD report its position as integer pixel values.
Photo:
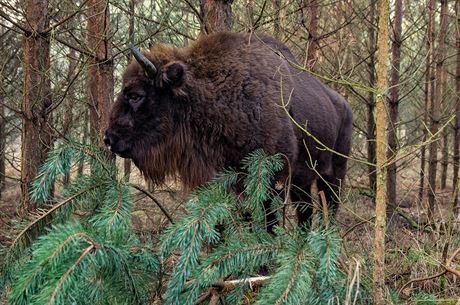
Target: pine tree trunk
(84, 139)
(445, 156)
(435, 109)
(36, 97)
(2, 146)
(217, 15)
(132, 6)
(68, 114)
(455, 181)
(394, 101)
(2, 125)
(100, 67)
(381, 147)
(429, 91)
(312, 55)
(370, 132)
(277, 22)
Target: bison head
(144, 114)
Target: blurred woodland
(61, 64)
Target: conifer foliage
(303, 264)
(81, 249)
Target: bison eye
(133, 97)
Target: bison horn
(146, 64)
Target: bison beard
(191, 112)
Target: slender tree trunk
(85, 137)
(132, 6)
(394, 101)
(312, 48)
(435, 109)
(445, 156)
(217, 15)
(371, 100)
(429, 91)
(100, 68)
(2, 145)
(277, 24)
(68, 114)
(381, 152)
(455, 181)
(2, 125)
(36, 96)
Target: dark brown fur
(214, 102)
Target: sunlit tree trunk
(455, 181)
(370, 132)
(217, 15)
(429, 91)
(394, 101)
(36, 100)
(2, 124)
(381, 152)
(2, 145)
(100, 71)
(435, 109)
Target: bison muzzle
(192, 112)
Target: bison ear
(172, 75)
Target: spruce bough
(93, 256)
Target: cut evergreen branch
(88, 257)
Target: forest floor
(413, 250)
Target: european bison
(193, 111)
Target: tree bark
(445, 156)
(84, 139)
(277, 23)
(2, 124)
(429, 92)
(68, 114)
(312, 48)
(100, 71)
(132, 6)
(394, 102)
(381, 147)
(370, 132)
(36, 100)
(2, 145)
(455, 181)
(435, 109)
(217, 15)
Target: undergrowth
(81, 248)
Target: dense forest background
(61, 65)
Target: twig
(357, 225)
(214, 299)
(150, 195)
(447, 269)
(252, 281)
(325, 209)
(204, 296)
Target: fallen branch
(447, 269)
(226, 286)
(252, 281)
